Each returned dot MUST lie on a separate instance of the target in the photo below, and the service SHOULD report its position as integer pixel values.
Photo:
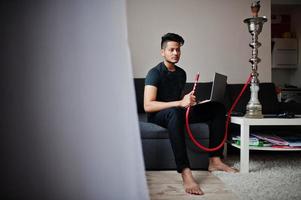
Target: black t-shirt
(169, 84)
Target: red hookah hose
(227, 121)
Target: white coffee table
(245, 124)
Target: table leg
(244, 148)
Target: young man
(163, 103)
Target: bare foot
(190, 185)
(216, 164)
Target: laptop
(218, 89)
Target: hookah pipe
(227, 121)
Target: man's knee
(176, 114)
(219, 108)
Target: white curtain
(69, 124)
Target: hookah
(253, 108)
(255, 23)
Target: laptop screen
(218, 88)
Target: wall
(58, 105)
(216, 39)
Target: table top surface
(267, 121)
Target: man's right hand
(152, 105)
(188, 100)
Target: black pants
(174, 120)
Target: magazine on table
(253, 141)
(274, 139)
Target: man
(165, 107)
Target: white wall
(216, 39)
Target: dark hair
(171, 37)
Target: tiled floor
(168, 185)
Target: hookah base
(254, 108)
(255, 114)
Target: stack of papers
(274, 139)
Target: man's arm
(151, 105)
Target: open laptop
(218, 89)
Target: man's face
(171, 52)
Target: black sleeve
(183, 80)
(152, 77)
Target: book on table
(253, 141)
(271, 140)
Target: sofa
(156, 146)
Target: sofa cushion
(267, 97)
(142, 117)
(203, 91)
(291, 107)
(139, 89)
(153, 131)
(158, 155)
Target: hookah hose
(227, 121)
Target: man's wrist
(178, 104)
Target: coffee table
(246, 123)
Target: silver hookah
(255, 23)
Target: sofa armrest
(290, 107)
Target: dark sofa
(157, 150)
